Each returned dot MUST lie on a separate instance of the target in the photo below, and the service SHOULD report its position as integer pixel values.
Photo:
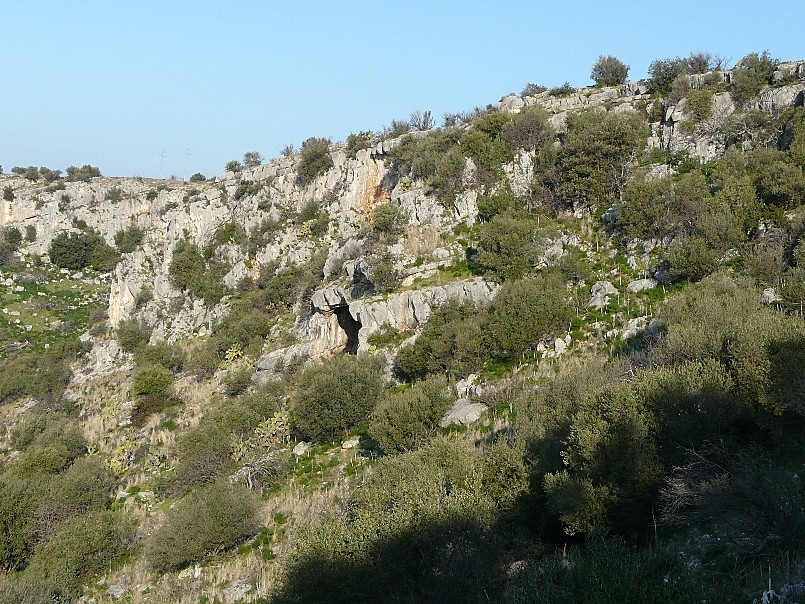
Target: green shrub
(34, 374)
(162, 354)
(198, 177)
(8, 193)
(206, 451)
(151, 379)
(609, 71)
(607, 569)
(751, 75)
(132, 334)
(566, 89)
(30, 233)
(115, 195)
(386, 337)
(247, 188)
(507, 245)
(693, 259)
(78, 250)
(384, 275)
(358, 142)
(406, 420)
(662, 74)
(104, 258)
(129, 239)
(83, 547)
(17, 498)
(452, 342)
(528, 130)
(595, 152)
(699, 104)
(83, 487)
(388, 219)
(664, 207)
(237, 381)
(213, 518)
(314, 159)
(496, 204)
(84, 173)
(531, 89)
(229, 232)
(334, 397)
(146, 405)
(525, 312)
(420, 529)
(52, 450)
(191, 272)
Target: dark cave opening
(350, 326)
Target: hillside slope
(419, 367)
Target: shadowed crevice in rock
(350, 326)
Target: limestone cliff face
(349, 192)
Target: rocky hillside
(236, 353)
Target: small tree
(609, 71)
(315, 159)
(252, 159)
(336, 396)
(84, 173)
(8, 193)
(421, 120)
(233, 166)
(211, 519)
(198, 177)
(751, 75)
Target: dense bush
(208, 520)
(83, 547)
(132, 334)
(406, 420)
(609, 71)
(334, 397)
(247, 188)
(80, 250)
(229, 233)
(129, 239)
(383, 273)
(388, 219)
(150, 379)
(662, 74)
(206, 451)
(314, 159)
(594, 159)
(509, 245)
(607, 569)
(751, 75)
(34, 374)
(162, 354)
(84, 173)
(525, 312)
(252, 159)
(452, 342)
(83, 487)
(421, 528)
(528, 130)
(358, 142)
(191, 272)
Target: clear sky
(114, 83)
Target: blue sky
(114, 84)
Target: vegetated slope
(551, 350)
